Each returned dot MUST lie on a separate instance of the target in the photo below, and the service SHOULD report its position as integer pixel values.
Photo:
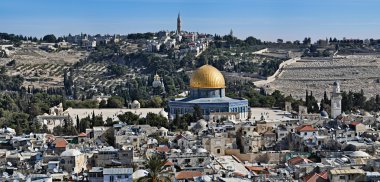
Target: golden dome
(207, 76)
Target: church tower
(336, 101)
(179, 24)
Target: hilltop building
(207, 90)
(158, 85)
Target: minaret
(336, 101)
(179, 24)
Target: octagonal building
(207, 90)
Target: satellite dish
(45, 146)
(55, 170)
(9, 163)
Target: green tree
(197, 113)
(49, 38)
(102, 104)
(115, 102)
(45, 129)
(128, 118)
(156, 120)
(157, 170)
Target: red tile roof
(305, 128)
(297, 160)
(82, 134)
(238, 174)
(314, 177)
(355, 123)
(187, 175)
(162, 149)
(60, 143)
(324, 175)
(255, 168)
(169, 163)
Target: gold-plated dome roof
(207, 76)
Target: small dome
(163, 114)
(207, 76)
(139, 174)
(255, 134)
(70, 153)
(135, 102)
(201, 150)
(324, 114)
(175, 150)
(202, 123)
(189, 151)
(366, 113)
(188, 133)
(163, 129)
(359, 154)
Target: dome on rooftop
(207, 76)
(188, 133)
(202, 123)
(366, 113)
(201, 150)
(163, 129)
(139, 174)
(359, 154)
(163, 113)
(255, 133)
(324, 114)
(70, 153)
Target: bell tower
(179, 24)
(336, 101)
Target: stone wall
(268, 157)
(269, 79)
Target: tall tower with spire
(336, 101)
(179, 24)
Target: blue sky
(264, 19)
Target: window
(342, 177)
(111, 178)
(200, 160)
(187, 160)
(218, 151)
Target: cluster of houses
(273, 145)
(191, 42)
